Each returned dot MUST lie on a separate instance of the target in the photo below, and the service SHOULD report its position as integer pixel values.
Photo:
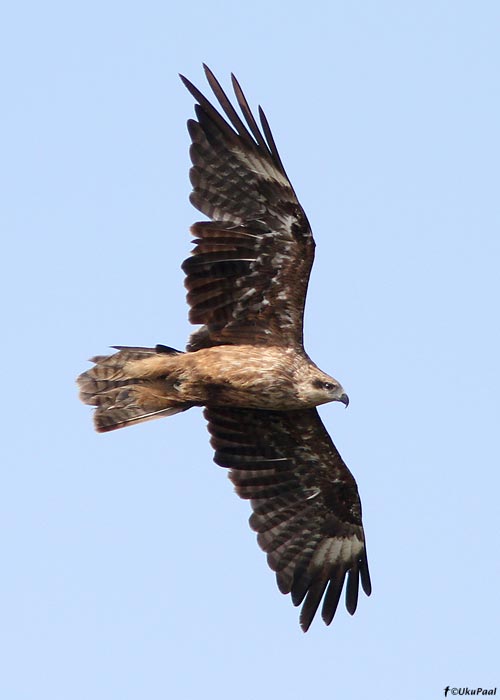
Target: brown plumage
(247, 280)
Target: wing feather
(256, 255)
(306, 507)
(247, 112)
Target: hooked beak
(345, 400)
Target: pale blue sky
(129, 570)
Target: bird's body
(247, 280)
(243, 376)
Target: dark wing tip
(331, 599)
(208, 72)
(264, 141)
(311, 603)
(198, 96)
(366, 583)
(186, 82)
(351, 590)
(270, 139)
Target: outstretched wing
(248, 273)
(305, 502)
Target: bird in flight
(246, 283)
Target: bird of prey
(246, 283)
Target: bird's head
(320, 388)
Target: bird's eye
(327, 386)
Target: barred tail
(129, 387)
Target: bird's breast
(242, 376)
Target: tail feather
(128, 387)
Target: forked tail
(129, 387)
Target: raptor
(247, 281)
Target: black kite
(247, 281)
